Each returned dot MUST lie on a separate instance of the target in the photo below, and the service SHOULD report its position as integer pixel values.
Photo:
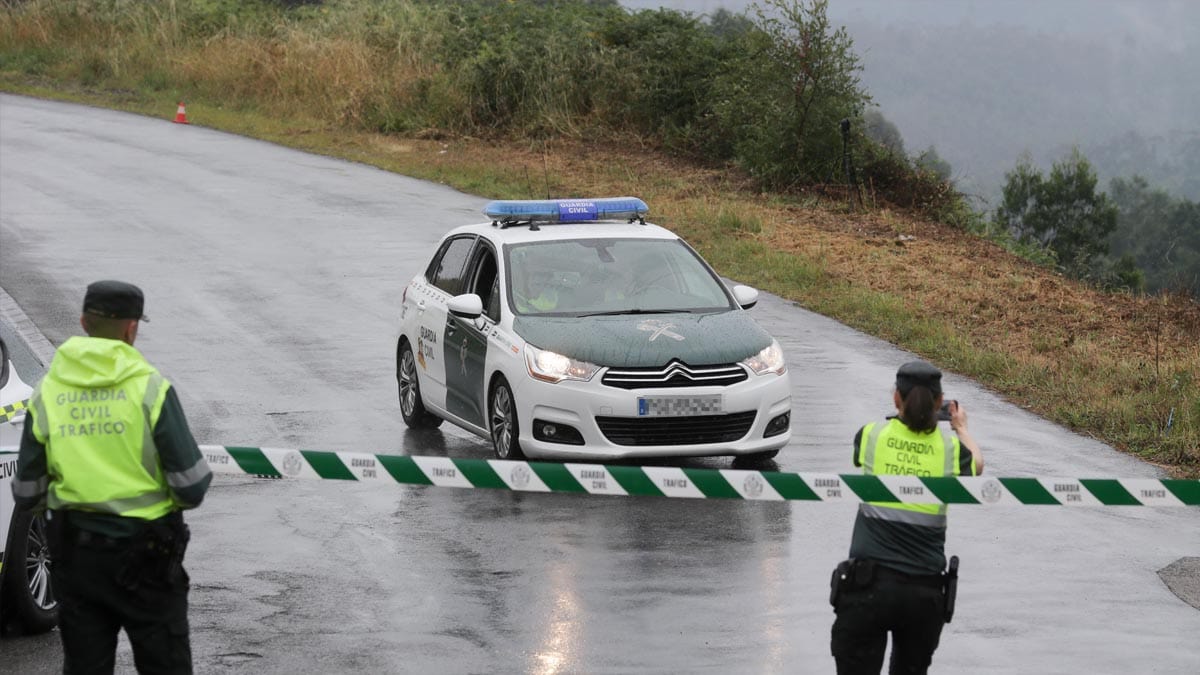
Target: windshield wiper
(618, 312)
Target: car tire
(412, 408)
(28, 592)
(502, 421)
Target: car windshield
(585, 277)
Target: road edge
(11, 313)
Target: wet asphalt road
(273, 280)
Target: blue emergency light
(511, 211)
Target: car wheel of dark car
(502, 415)
(411, 407)
(28, 593)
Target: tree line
(1132, 237)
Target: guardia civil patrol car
(26, 597)
(576, 329)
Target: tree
(930, 160)
(727, 25)
(881, 130)
(781, 98)
(1061, 212)
(1159, 233)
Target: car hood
(647, 340)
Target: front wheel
(412, 408)
(502, 415)
(27, 590)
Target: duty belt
(89, 539)
(931, 580)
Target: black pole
(847, 163)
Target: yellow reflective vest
(891, 448)
(95, 413)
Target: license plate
(678, 406)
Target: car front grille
(698, 430)
(675, 374)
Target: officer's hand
(958, 416)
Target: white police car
(26, 597)
(574, 329)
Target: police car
(26, 597)
(576, 329)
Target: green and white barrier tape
(7, 412)
(663, 481)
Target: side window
(492, 309)
(486, 283)
(449, 268)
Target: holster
(950, 587)
(155, 555)
(852, 574)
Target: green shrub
(781, 95)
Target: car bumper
(607, 420)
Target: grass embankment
(1123, 369)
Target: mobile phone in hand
(944, 411)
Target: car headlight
(551, 366)
(769, 360)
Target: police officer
(107, 450)
(896, 580)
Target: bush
(783, 92)
(1062, 211)
(905, 183)
(659, 67)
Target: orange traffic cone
(181, 115)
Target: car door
(28, 599)
(465, 351)
(446, 278)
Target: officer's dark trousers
(93, 609)
(912, 613)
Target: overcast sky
(1169, 21)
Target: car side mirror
(465, 306)
(745, 296)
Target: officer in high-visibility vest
(107, 450)
(896, 580)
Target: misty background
(985, 81)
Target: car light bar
(565, 210)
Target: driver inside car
(534, 292)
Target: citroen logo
(657, 328)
